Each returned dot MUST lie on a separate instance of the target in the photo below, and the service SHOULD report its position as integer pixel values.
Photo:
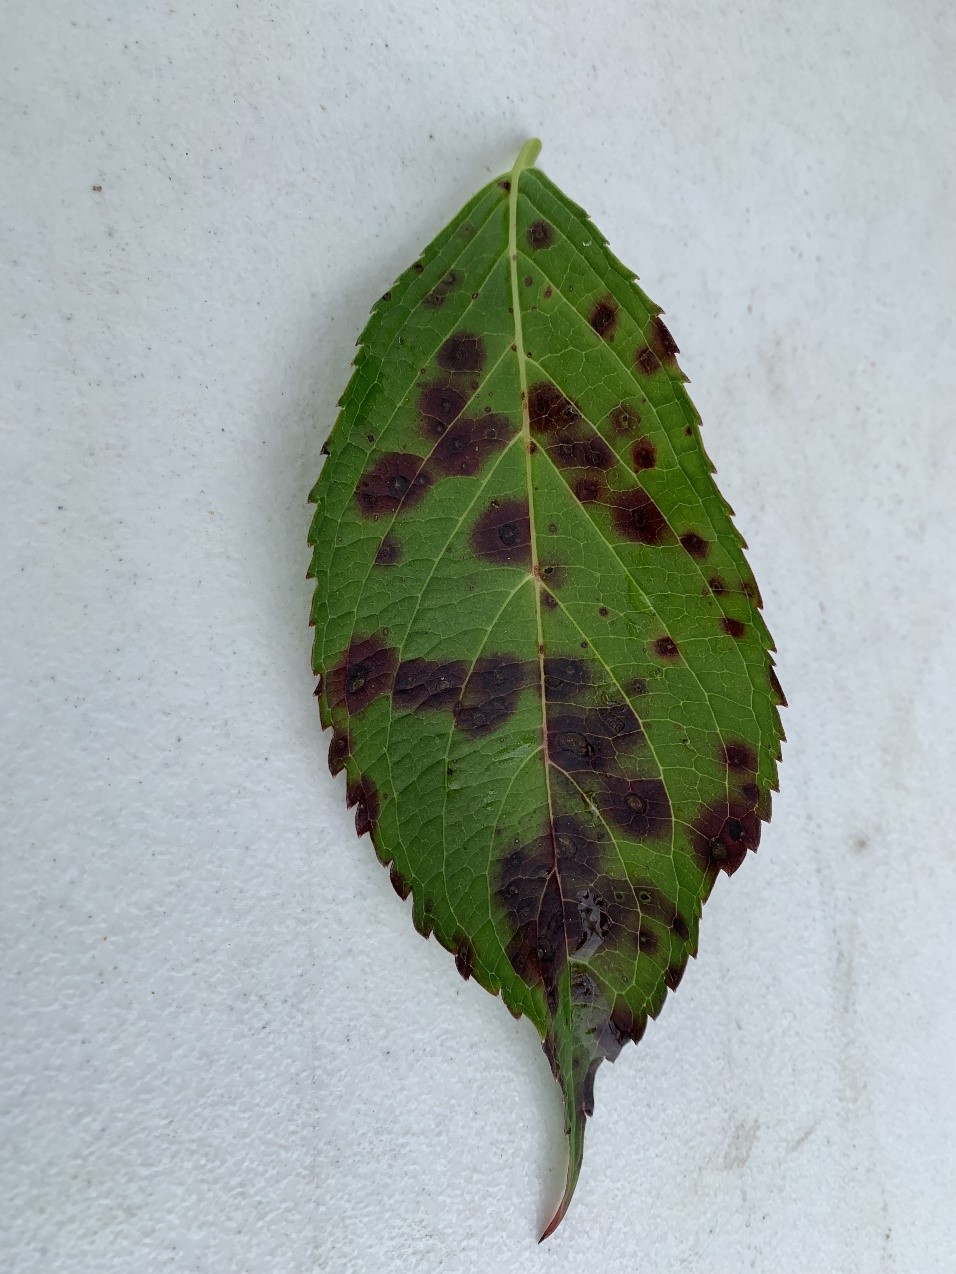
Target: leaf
(539, 643)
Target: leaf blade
(540, 645)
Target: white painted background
(224, 1047)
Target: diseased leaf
(539, 643)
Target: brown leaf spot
(490, 695)
(637, 517)
(396, 483)
(716, 585)
(565, 678)
(663, 344)
(365, 672)
(339, 750)
(603, 317)
(740, 756)
(462, 352)
(643, 454)
(464, 956)
(733, 627)
(722, 833)
(363, 794)
(389, 551)
(638, 807)
(540, 235)
(625, 419)
(399, 883)
(695, 544)
(436, 298)
(502, 534)
(466, 445)
(777, 688)
(428, 684)
(440, 403)
(549, 411)
(647, 361)
(666, 648)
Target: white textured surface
(225, 1049)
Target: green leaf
(539, 643)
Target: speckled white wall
(225, 1049)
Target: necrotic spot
(733, 627)
(339, 750)
(399, 883)
(549, 411)
(540, 235)
(428, 684)
(740, 756)
(564, 679)
(695, 544)
(364, 673)
(637, 517)
(603, 317)
(666, 648)
(625, 419)
(490, 695)
(396, 483)
(462, 352)
(465, 445)
(665, 347)
(722, 833)
(638, 807)
(363, 794)
(647, 361)
(437, 296)
(440, 403)
(502, 535)
(389, 552)
(643, 454)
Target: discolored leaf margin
(539, 644)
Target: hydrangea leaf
(539, 644)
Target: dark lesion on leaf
(666, 648)
(462, 352)
(502, 534)
(363, 794)
(661, 341)
(722, 833)
(489, 697)
(436, 298)
(389, 552)
(643, 454)
(339, 750)
(695, 545)
(397, 482)
(465, 445)
(440, 403)
(603, 317)
(540, 234)
(364, 673)
(428, 685)
(625, 418)
(733, 627)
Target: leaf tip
(527, 156)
